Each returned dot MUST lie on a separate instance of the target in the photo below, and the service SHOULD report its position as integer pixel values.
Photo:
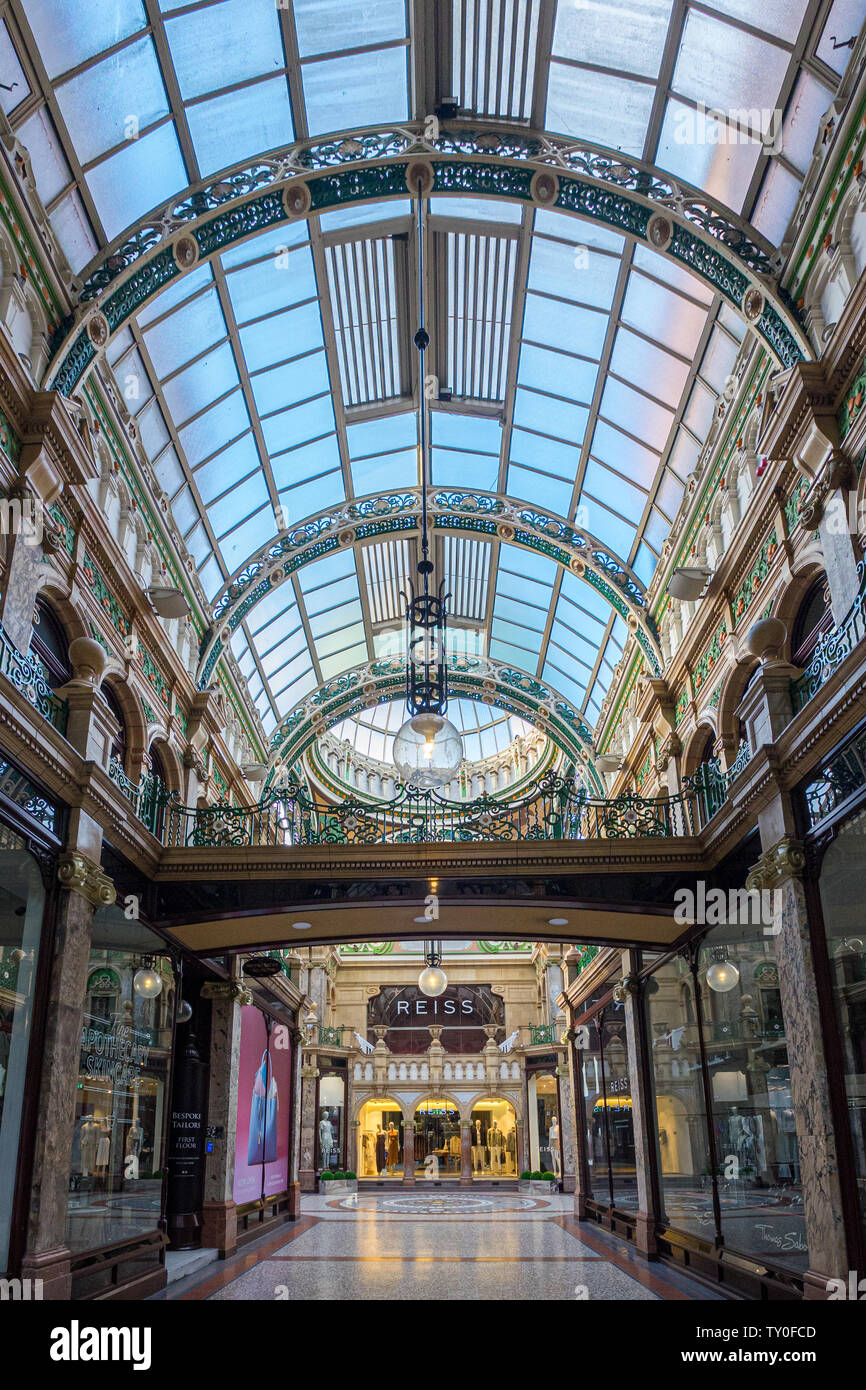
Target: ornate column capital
(232, 990)
(79, 874)
(781, 862)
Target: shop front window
(329, 1130)
(842, 875)
(380, 1140)
(262, 1124)
(493, 1136)
(752, 1198)
(437, 1139)
(22, 900)
(121, 1098)
(544, 1140)
(608, 1109)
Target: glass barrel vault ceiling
(277, 380)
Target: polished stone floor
(437, 1245)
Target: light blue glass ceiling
(574, 372)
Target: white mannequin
(326, 1139)
(477, 1149)
(553, 1145)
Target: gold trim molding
(232, 990)
(784, 861)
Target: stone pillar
(779, 868)
(409, 1153)
(309, 1085)
(25, 568)
(295, 1144)
(567, 1143)
(581, 1184)
(465, 1154)
(643, 1113)
(766, 708)
(219, 1219)
(47, 1256)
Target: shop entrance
(380, 1140)
(437, 1139)
(493, 1136)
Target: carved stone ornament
(297, 199)
(98, 330)
(80, 875)
(185, 251)
(232, 990)
(660, 231)
(753, 304)
(544, 188)
(783, 861)
(420, 171)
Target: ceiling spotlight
(301, 926)
(557, 921)
(688, 582)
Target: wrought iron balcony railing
(552, 809)
(833, 648)
(149, 798)
(28, 676)
(330, 1037)
(544, 1033)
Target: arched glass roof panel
(574, 371)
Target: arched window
(49, 645)
(119, 745)
(813, 621)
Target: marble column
(219, 1218)
(567, 1143)
(582, 1190)
(25, 570)
(47, 1256)
(309, 1080)
(779, 869)
(409, 1153)
(295, 1143)
(465, 1154)
(643, 1114)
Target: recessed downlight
(557, 921)
(301, 926)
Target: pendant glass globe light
(432, 981)
(723, 976)
(147, 982)
(428, 751)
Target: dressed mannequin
(496, 1145)
(326, 1139)
(477, 1148)
(380, 1149)
(134, 1140)
(511, 1150)
(393, 1139)
(103, 1147)
(553, 1146)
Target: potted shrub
(337, 1183)
(536, 1183)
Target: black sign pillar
(185, 1162)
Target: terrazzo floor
(452, 1246)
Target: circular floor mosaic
(449, 1204)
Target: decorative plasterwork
(591, 183)
(479, 513)
(783, 861)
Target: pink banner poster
(262, 1127)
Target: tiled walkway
(437, 1246)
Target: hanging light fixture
(723, 976)
(147, 981)
(432, 981)
(427, 749)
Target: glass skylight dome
(484, 730)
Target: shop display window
(748, 1111)
(493, 1137)
(437, 1139)
(607, 1104)
(121, 1097)
(22, 901)
(264, 1107)
(842, 875)
(380, 1140)
(544, 1137)
(329, 1129)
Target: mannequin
(477, 1148)
(380, 1149)
(553, 1145)
(393, 1139)
(326, 1139)
(134, 1139)
(496, 1145)
(89, 1135)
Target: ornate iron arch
(502, 161)
(470, 677)
(478, 513)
